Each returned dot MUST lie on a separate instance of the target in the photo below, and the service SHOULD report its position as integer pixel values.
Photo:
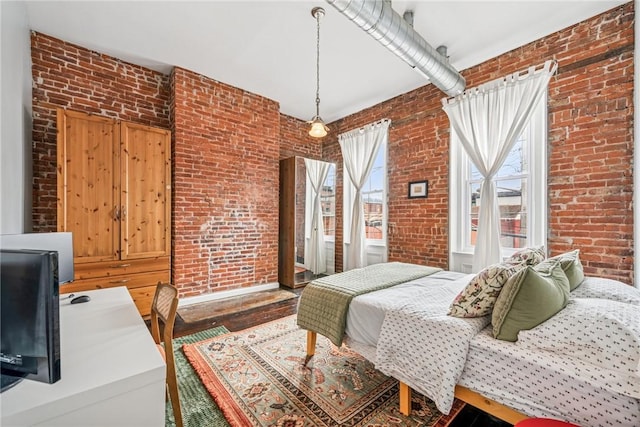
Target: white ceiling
(268, 47)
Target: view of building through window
(511, 183)
(328, 201)
(373, 199)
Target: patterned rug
(257, 378)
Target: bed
(404, 330)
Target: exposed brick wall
(72, 77)
(590, 149)
(69, 76)
(225, 205)
(295, 139)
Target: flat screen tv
(30, 319)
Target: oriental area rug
(257, 378)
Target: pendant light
(318, 128)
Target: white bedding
(366, 312)
(417, 343)
(423, 347)
(600, 334)
(599, 287)
(539, 384)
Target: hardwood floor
(243, 319)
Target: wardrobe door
(145, 156)
(88, 185)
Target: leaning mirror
(307, 220)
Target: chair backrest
(163, 310)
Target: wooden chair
(163, 310)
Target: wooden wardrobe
(114, 195)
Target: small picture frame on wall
(418, 189)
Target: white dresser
(112, 373)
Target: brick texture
(590, 149)
(225, 202)
(295, 139)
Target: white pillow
(598, 287)
(598, 331)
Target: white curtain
(315, 258)
(359, 149)
(488, 120)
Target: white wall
(16, 113)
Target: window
(511, 183)
(374, 196)
(521, 183)
(370, 248)
(328, 201)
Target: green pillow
(527, 299)
(571, 265)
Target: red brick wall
(295, 139)
(590, 147)
(244, 204)
(69, 76)
(225, 204)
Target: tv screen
(29, 316)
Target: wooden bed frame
(466, 395)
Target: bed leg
(311, 346)
(405, 399)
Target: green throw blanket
(324, 303)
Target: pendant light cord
(318, 13)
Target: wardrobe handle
(120, 266)
(116, 213)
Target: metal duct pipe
(385, 25)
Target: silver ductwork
(378, 19)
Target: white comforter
(601, 335)
(423, 347)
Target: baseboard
(227, 294)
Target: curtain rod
(363, 128)
(491, 84)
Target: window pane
(328, 200)
(515, 164)
(373, 214)
(373, 199)
(511, 197)
(473, 212)
(513, 212)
